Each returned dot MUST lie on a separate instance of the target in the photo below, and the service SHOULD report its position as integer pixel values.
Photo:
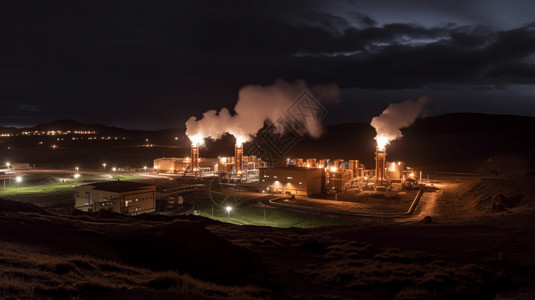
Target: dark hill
(443, 142)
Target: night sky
(153, 64)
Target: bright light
(240, 140)
(196, 140)
(18, 179)
(76, 176)
(382, 141)
(76, 168)
(333, 169)
(229, 209)
(224, 160)
(104, 165)
(411, 174)
(8, 164)
(114, 169)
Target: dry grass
(409, 274)
(32, 273)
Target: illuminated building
(337, 179)
(125, 197)
(299, 181)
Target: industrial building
(125, 197)
(396, 171)
(299, 181)
(340, 175)
(238, 167)
(185, 164)
(338, 179)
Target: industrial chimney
(380, 166)
(239, 158)
(354, 167)
(194, 157)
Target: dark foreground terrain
(485, 251)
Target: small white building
(126, 197)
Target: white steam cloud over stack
(395, 117)
(256, 105)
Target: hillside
(493, 144)
(47, 254)
(454, 142)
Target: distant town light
(76, 176)
(229, 209)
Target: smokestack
(354, 166)
(238, 153)
(380, 166)
(395, 117)
(194, 158)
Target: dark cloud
(163, 61)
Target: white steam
(256, 105)
(395, 117)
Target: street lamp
(8, 164)
(104, 166)
(76, 176)
(229, 209)
(114, 169)
(145, 168)
(76, 168)
(18, 180)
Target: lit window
(300, 182)
(274, 176)
(290, 177)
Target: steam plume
(395, 117)
(257, 104)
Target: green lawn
(250, 214)
(49, 188)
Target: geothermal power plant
(291, 175)
(296, 176)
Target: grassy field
(251, 214)
(48, 189)
(243, 214)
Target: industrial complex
(293, 176)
